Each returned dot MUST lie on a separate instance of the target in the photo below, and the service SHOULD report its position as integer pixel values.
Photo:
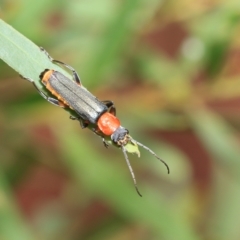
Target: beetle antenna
(131, 170)
(153, 153)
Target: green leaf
(23, 55)
(132, 147)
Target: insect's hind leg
(76, 77)
(83, 124)
(49, 99)
(110, 106)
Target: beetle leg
(105, 143)
(73, 118)
(76, 77)
(99, 133)
(46, 53)
(54, 101)
(83, 124)
(108, 103)
(111, 107)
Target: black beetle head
(120, 136)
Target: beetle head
(120, 136)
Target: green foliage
(172, 69)
(15, 47)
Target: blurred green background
(172, 70)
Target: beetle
(90, 111)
